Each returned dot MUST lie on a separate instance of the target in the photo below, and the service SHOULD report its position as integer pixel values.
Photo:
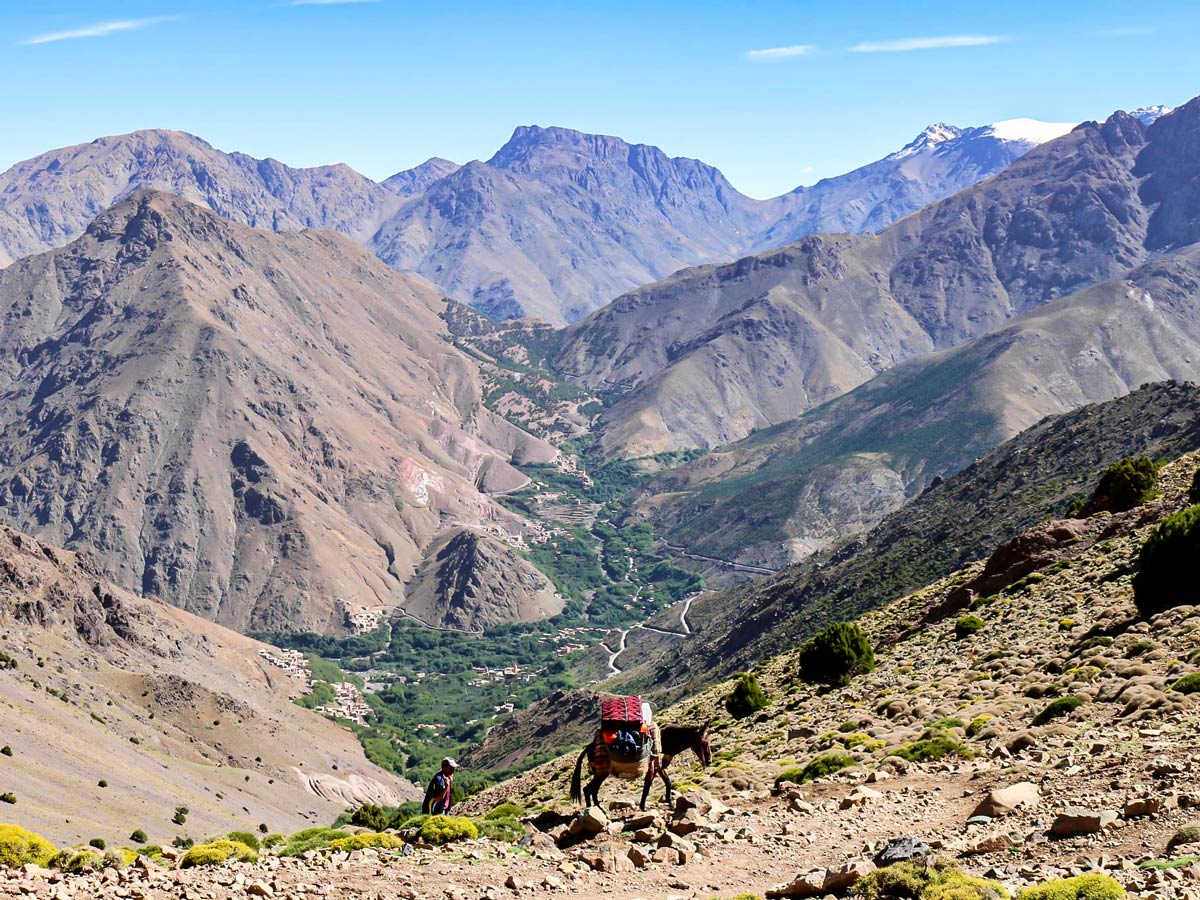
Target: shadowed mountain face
(266, 430)
(554, 225)
(713, 353)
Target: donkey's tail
(577, 778)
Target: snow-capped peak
(1148, 114)
(938, 133)
(1028, 131)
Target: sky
(775, 94)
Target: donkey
(673, 739)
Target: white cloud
(773, 53)
(927, 43)
(103, 29)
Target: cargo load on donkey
(625, 745)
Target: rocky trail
(684, 631)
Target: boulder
(593, 820)
(822, 881)
(1003, 802)
(901, 849)
(639, 857)
(860, 796)
(1144, 806)
(1075, 820)
(996, 842)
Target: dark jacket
(437, 795)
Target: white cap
(451, 762)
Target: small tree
(1165, 563)
(1125, 484)
(747, 696)
(836, 654)
(370, 816)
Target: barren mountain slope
(789, 490)
(266, 430)
(50, 199)
(417, 180)
(710, 354)
(167, 709)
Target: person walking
(437, 795)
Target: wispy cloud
(773, 53)
(328, 2)
(103, 29)
(927, 43)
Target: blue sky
(384, 84)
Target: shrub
(1081, 887)
(216, 852)
(19, 846)
(836, 654)
(967, 626)
(1124, 485)
(6, 750)
(138, 837)
(501, 829)
(444, 829)
(370, 816)
(1062, 706)
(102, 783)
(977, 724)
(181, 814)
(747, 696)
(939, 881)
(98, 843)
(818, 767)
(274, 839)
(505, 811)
(932, 747)
(8, 797)
(1165, 562)
(245, 837)
(311, 839)
(1188, 684)
(367, 839)
(1188, 834)
(70, 861)
(1194, 490)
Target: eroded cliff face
(266, 430)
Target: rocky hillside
(954, 522)
(711, 354)
(266, 430)
(118, 710)
(841, 467)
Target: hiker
(437, 795)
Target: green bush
(367, 839)
(245, 837)
(138, 837)
(818, 767)
(977, 724)
(444, 829)
(70, 861)
(1194, 489)
(940, 881)
(311, 839)
(505, 811)
(6, 750)
(370, 816)
(836, 654)
(1062, 706)
(932, 747)
(967, 626)
(1165, 562)
(1081, 887)
(747, 696)
(1187, 834)
(274, 839)
(1188, 684)
(98, 843)
(19, 846)
(501, 829)
(216, 852)
(1124, 485)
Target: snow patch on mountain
(1029, 131)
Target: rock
(639, 857)
(259, 889)
(989, 843)
(686, 848)
(1144, 806)
(1008, 800)
(703, 802)
(901, 849)
(860, 796)
(607, 859)
(688, 823)
(667, 856)
(799, 805)
(1075, 820)
(819, 882)
(645, 820)
(593, 820)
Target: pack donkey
(673, 739)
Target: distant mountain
(790, 490)
(710, 354)
(417, 180)
(558, 222)
(266, 430)
(940, 161)
(49, 200)
(554, 225)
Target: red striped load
(621, 709)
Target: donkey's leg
(646, 782)
(591, 794)
(667, 781)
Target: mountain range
(554, 225)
